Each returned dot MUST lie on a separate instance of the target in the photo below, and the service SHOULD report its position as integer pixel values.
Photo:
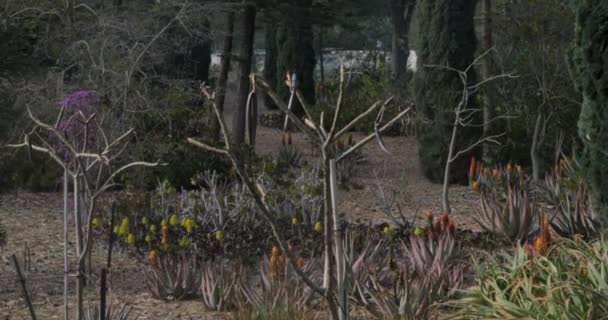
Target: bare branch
(371, 136)
(491, 139)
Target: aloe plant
(507, 208)
(569, 202)
(122, 313)
(173, 278)
(280, 285)
(219, 286)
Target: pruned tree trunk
(224, 69)
(245, 61)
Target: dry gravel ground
(36, 220)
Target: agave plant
(219, 286)
(173, 278)
(506, 205)
(569, 202)
(93, 312)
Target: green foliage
(447, 38)
(42, 174)
(167, 131)
(591, 58)
(568, 283)
(361, 91)
(531, 41)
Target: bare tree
(335, 285)
(465, 117)
(91, 168)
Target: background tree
(447, 38)
(295, 50)
(591, 58)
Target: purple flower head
(82, 100)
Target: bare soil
(35, 221)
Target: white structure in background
(333, 58)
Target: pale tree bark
(224, 69)
(245, 61)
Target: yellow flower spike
(116, 229)
(184, 242)
(387, 230)
(219, 235)
(318, 226)
(163, 222)
(174, 220)
(144, 221)
(131, 239)
(148, 239)
(294, 221)
(417, 231)
(96, 221)
(123, 229)
(153, 228)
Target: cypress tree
(446, 38)
(295, 50)
(591, 61)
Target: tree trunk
(321, 66)
(246, 59)
(80, 266)
(65, 244)
(486, 44)
(296, 51)
(224, 69)
(270, 59)
(341, 281)
(401, 15)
